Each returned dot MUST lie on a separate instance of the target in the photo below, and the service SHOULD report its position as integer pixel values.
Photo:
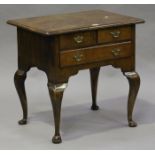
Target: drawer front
(77, 40)
(114, 34)
(94, 54)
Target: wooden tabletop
(77, 21)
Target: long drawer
(96, 53)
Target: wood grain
(78, 21)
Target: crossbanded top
(71, 22)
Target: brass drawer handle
(116, 52)
(78, 57)
(115, 34)
(78, 39)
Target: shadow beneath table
(79, 120)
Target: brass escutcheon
(78, 39)
(116, 52)
(115, 34)
(78, 57)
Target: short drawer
(94, 54)
(114, 34)
(77, 40)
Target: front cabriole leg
(56, 94)
(134, 84)
(19, 80)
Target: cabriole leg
(56, 94)
(134, 84)
(94, 73)
(19, 80)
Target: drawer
(114, 34)
(96, 53)
(77, 40)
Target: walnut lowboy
(61, 45)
